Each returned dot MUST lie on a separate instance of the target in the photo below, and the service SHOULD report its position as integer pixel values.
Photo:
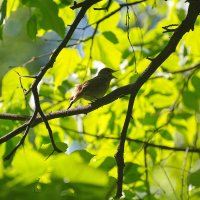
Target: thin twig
(170, 183)
(34, 58)
(91, 45)
(169, 29)
(38, 108)
(183, 175)
(146, 172)
(84, 7)
(197, 66)
(186, 26)
(106, 7)
(128, 34)
(172, 108)
(21, 142)
(114, 12)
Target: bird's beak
(113, 72)
(114, 77)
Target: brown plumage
(95, 88)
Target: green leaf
(190, 100)
(111, 37)
(104, 50)
(183, 115)
(131, 173)
(1, 32)
(47, 15)
(196, 83)
(181, 13)
(32, 27)
(179, 126)
(2, 16)
(85, 155)
(3, 11)
(149, 119)
(47, 149)
(50, 19)
(62, 146)
(193, 178)
(126, 53)
(65, 2)
(166, 135)
(26, 2)
(10, 145)
(107, 164)
(153, 153)
(75, 170)
(28, 171)
(88, 192)
(47, 91)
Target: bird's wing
(79, 90)
(94, 83)
(95, 88)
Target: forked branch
(186, 25)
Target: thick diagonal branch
(84, 7)
(186, 26)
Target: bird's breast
(96, 90)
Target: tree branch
(21, 142)
(119, 156)
(62, 45)
(186, 25)
(84, 7)
(63, 113)
(114, 12)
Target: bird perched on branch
(94, 88)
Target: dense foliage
(161, 151)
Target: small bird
(94, 88)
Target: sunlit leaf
(166, 110)
(71, 167)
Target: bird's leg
(94, 99)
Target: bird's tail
(73, 99)
(71, 103)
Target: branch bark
(84, 7)
(186, 25)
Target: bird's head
(107, 72)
